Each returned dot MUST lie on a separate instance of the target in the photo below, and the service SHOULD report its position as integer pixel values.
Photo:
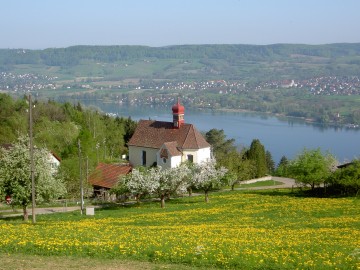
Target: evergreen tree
(220, 145)
(282, 168)
(257, 154)
(270, 162)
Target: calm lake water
(280, 136)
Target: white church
(167, 144)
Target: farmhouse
(167, 144)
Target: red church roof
(107, 175)
(154, 134)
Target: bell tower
(178, 114)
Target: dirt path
(287, 183)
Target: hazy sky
(39, 24)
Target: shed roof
(107, 175)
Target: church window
(144, 158)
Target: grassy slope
(237, 230)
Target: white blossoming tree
(15, 175)
(171, 181)
(139, 182)
(159, 182)
(207, 177)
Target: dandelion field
(235, 230)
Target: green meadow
(274, 229)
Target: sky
(40, 24)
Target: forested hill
(233, 54)
(316, 82)
(117, 53)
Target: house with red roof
(167, 144)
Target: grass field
(235, 230)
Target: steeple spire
(178, 114)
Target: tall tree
(270, 164)
(15, 175)
(220, 146)
(282, 168)
(257, 153)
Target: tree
(140, 182)
(158, 181)
(348, 178)
(15, 175)
(220, 145)
(257, 153)
(170, 181)
(311, 167)
(282, 168)
(239, 168)
(270, 164)
(207, 177)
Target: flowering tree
(158, 181)
(207, 177)
(15, 175)
(139, 182)
(170, 181)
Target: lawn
(235, 230)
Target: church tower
(178, 114)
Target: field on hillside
(235, 230)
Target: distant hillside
(191, 62)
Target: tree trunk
(190, 191)
(233, 186)
(162, 197)
(26, 214)
(206, 196)
(138, 198)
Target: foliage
(282, 168)
(257, 154)
(238, 230)
(270, 164)
(220, 146)
(15, 175)
(311, 167)
(207, 177)
(13, 118)
(59, 127)
(347, 179)
(170, 181)
(158, 181)
(239, 168)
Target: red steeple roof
(178, 108)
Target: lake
(282, 137)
